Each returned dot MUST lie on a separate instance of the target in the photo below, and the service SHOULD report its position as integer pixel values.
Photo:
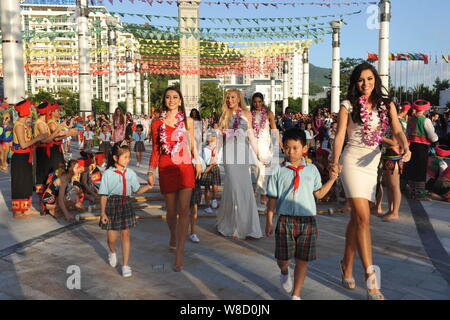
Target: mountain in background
(317, 76)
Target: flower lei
(236, 122)
(369, 137)
(179, 137)
(258, 126)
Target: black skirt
(21, 182)
(56, 158)
(416, 168)
(42, 169)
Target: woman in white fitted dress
(263, 121)
(364, 116)
(237, 215)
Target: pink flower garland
(369, 137)
(179, 126)
(262, 123)
(236, 122)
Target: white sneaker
(296, 298)
(214, 204)
(138, 165)
(194, 238)
(112, 258)
(126, 271)
(262, 207)
(286, 283)
(209, 211)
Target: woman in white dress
(237, 215)
(262, 121)
(198, 128)
(364, 116)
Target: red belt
(47, 147)
(59, 143)
(27, 150)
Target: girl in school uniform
(211, 176)
(139, 138)
(117, 214)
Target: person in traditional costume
(21, 162)
(64, 191)
(56, 153)
(436, 169)
(421, 135)
(6, 137)
(43, 149)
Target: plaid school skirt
(120, 212)
(196, 196)
(139, 146)
(211, 178)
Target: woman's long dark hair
(116, 115)
(353, 94)
(195, 114)
(256, 95)
(180, 108)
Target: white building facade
(60, 49)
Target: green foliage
(69, 101)
(99, 106)
(421, 92)
(41, 96)
(211, 99)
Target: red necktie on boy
(297, 176)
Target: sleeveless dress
(172, 176)
(265, 151)
(360, 161)
(237, 215)
(119, 132)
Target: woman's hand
(151, 179)
(104, 218)
(198, 171)
(334, 168)
(406, 156)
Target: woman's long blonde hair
(227, 112)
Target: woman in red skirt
(173, 152)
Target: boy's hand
(104, 218)
(269, 228)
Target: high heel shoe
(347, 283)
(177, 268)
(373, 295)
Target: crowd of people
(372, 142)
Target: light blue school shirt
(136, 137)
(112, 182)
(281, 186)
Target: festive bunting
(236, 20)
(256, 5)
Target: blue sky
(417, 25)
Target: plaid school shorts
(120, 212)
(296, 237)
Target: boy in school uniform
(292, 188)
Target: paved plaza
(413, 254)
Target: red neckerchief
(124, 182)
(297, 176)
